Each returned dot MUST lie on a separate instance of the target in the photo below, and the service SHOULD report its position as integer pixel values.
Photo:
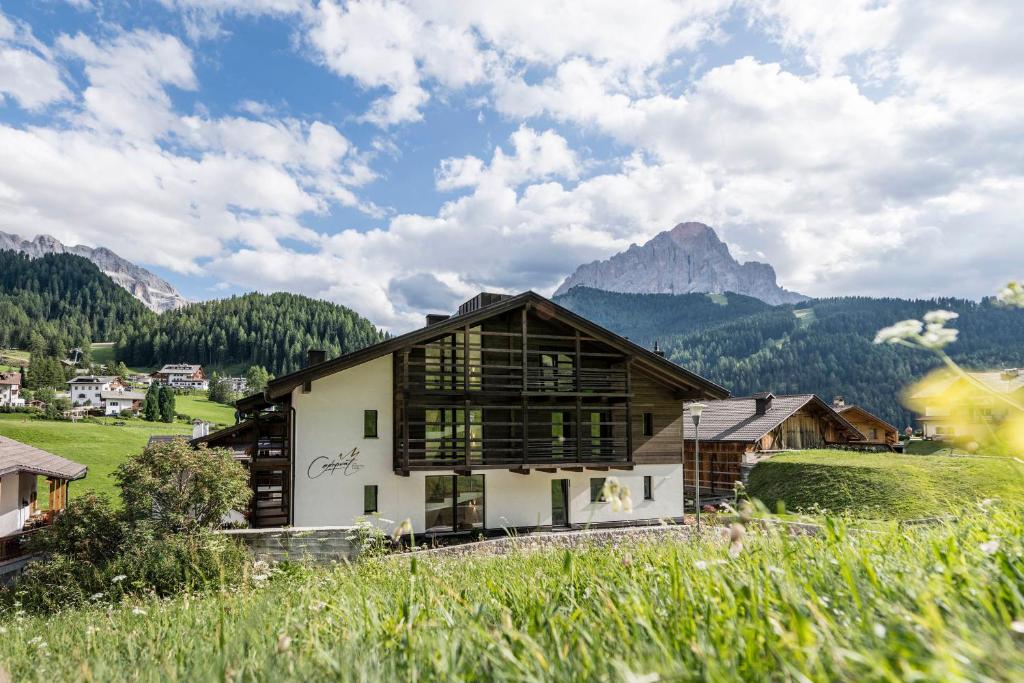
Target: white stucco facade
(334, 462)
(16, 492)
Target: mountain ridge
(689, 258)
(155, 293)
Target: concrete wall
(329, 426)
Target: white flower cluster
(932, 333)
(1012, 295)
(618, 495)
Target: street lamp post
(695, 412)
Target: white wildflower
(879, 630)
(95, 596)
(618, 495)
(1017, 626)
(936, 336)
(139, 611)
(119, 578)
(902, 330)
(283, 643)
(631, 677)
(1012, 295)
(403, 529)
(700, 564)
(990, 547)
(940, 317)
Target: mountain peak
(688, 258)
(157, 294)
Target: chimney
(763, 402)
(657, 349)
(314, 356)
(838, 402)
(434, 318)
(200, 429)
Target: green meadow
(929, 603)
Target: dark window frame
(597, 494)
(376, 499)
(648, 424)
(648, 487)
(366, 424)
(456, 528)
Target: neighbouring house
(737, 431)
(20, 467)
(509, 414)
(876, 431)
(237, 385)
(140, 380)
(88, 390)
(116, 402)
(951, 406)
(10, 389)
(182, 376)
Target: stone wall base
(316, 545)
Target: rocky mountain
(157, 294)
(688, 258)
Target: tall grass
(935, 603)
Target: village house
(10, 389)
(876, 431)
(510, 414)
(88, 390)
(20, 467)
(955, 407)
(182, 376)
(737, 431)
(117, 402)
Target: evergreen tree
(165, 400)
(256, 379)
(151, 405)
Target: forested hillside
(64, 299)
(645, 318)
(822, 346)
(272, 330)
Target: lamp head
(696, 410)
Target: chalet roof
(126, 395)
(649, 360)
(163, 438)
(1000, 381)
(736, 419)
(10, 378)
(847, 408)
(180, 369)
(92, 379)
(16, 456)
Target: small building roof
(163, 438)
(866, 413)
(736, 419)
(126, 395)
(16, 456)
(10, 378)
(179, 368)
(92, 379)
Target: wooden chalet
(509, 413)
(735, 430)
(877, 432)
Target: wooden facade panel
(720, 463)
(665, 409)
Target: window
(369, 424)
(648, 424)
(648, 488)
(370, 499)
(597, 490)
(454, 503)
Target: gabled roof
(871, 416)
(10, 378)
(658, 365)
(180, 368)
(126, 395)
(92, 379)
(16, 456)
(736, 419)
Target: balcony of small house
(558, 437)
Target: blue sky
(392, 156)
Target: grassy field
(12, 359)
(196, 405)
(886, 485)
(103, 354)
(940, 603)
(99, 444)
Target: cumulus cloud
(27, 71)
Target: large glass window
(557, 433)
(454, 503)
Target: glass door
(559, 502)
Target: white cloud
(27, 72)
(535, 156)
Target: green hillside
(821, 346)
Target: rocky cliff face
(687, 258)
(155, 293)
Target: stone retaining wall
(318, 545)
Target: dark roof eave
(285, 384)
